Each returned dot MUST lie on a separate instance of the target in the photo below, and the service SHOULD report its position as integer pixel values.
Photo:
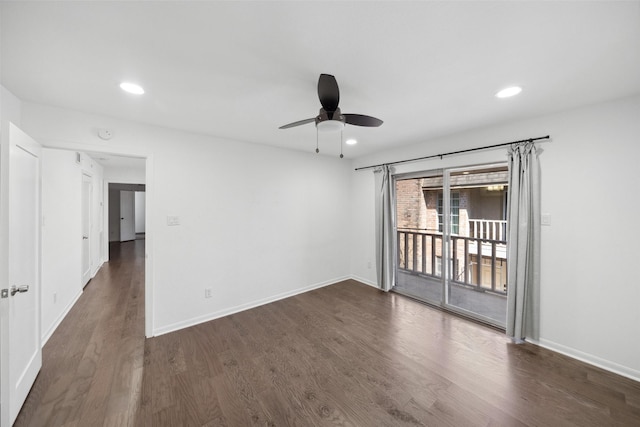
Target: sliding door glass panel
(419, 237)
(476, 281)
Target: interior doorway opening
(127, 212)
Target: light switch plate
(545, 219)
(173, 220)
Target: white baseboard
(242, 307)
(608, 365)
(94, 272)
(60, 318)
(365, 281)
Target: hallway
(92, 365)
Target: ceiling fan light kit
(330, 118)
(330, 126)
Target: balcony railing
(476, 262)
(488, 229)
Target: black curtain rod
(455, 152)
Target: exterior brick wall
(431, 210)
(411, 212)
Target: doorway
(21, 352)
(127, 208)
(451, 239)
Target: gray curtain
(524, 242)
(384, 229)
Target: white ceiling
(239, 70)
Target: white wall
(61, 236)
(589, 287)
(62, 232)
(140, 211)
(256, 223)
(132, 173)
(10, 110)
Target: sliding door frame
(446, 237)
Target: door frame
(84, 203)
(97, 149)
(446, 235)
(149, 235)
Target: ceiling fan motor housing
(330, 121)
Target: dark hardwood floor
(345, 354)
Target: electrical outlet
(208, 292)
(369, 265)
(55, 297)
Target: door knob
(85, 237)
(19, 289)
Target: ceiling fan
(330, 118)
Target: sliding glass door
(451, 239)
(419, 237)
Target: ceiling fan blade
(298, 123)
(362, 120)
(328, 92)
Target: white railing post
(487, 229)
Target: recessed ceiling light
(131, 88)
(351, 141)
(508, 92)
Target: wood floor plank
(342, 355)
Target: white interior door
(87, 189)
(127, 216)
(22, 359)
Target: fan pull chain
(341, 155)
(317, 149)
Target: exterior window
(455, 212)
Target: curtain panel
(523, 298)
(384, 229)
